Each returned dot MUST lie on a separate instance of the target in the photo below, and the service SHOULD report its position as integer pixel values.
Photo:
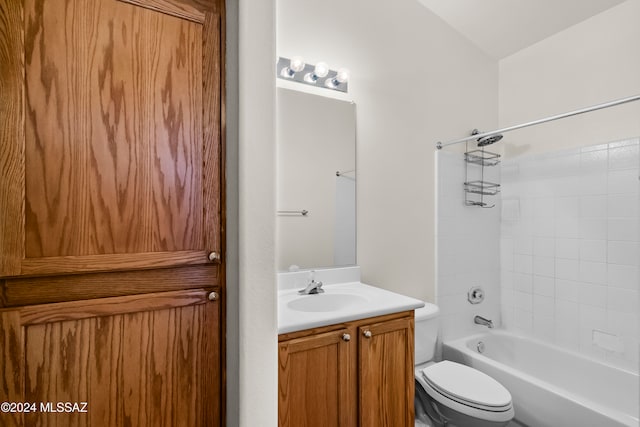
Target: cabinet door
(316, 380)
(145, 360)
(110, 135)
(386, 380)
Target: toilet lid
(467, 385)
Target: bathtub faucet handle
(479, 320)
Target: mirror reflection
(316, 181)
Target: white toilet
(448, 393)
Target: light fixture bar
(334, 80)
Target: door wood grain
(144, 360)
(11, 137)
(113, 136)
(112, 145)
(386, 382)
(315, 386)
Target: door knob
(213, 296)
(346, 337)
(214, 256)
(367, 334)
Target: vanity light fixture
(319, 75)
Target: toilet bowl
(451, 394)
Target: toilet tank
(426, 332)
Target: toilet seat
(466, 390)
(467, 386)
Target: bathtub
(552, 387)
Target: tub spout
(482, 321)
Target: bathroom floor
(420, 423)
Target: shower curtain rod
(440, 145)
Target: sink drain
(480, 347)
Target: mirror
(316, 181)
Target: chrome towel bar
(303, 212)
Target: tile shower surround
(568, 241)
(569, 249)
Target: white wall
(468, 246)
(415, 81)
(231, 257)
(258, 361)
(590, 63)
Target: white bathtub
(552, 387)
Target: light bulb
(343, 75)
(296, 64)
(321, 70)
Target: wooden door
(110, 135)
(145, 360)
(316, 381)
(386, 379)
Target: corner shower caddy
(476, 190)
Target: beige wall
(415, 81)
(590, 63)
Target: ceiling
(503, 27)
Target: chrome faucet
(482, 321)
(312, 287)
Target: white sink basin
(339, 303)
(325, 302)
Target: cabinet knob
(214, 257)
(367, 334)
(346, 337)
(213, 296)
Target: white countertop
(356, 301)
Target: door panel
(120, 163)
(314, 381)
(113, 134)
(386, 381)
(144, 360)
